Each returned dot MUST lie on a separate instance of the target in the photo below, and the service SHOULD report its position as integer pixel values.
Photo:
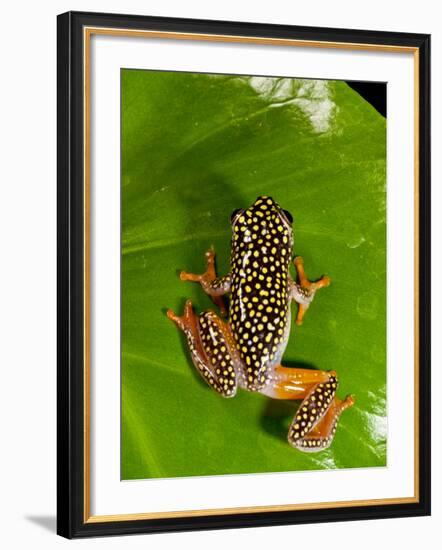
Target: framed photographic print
(243, 274)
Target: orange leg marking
(292, 383)
(304, 291)
(215, 291)
(188, 321)
(324, 428)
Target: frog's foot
(321, 435)
(304, 291)
(187, 321)
(214, 286)
(314, 425)
(315, 422)
(211, 348)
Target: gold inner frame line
(87, 34)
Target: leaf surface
(196, 147)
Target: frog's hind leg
(321, 435)
(211, 348)
(212, 285)
(304, 290)
(314, 424)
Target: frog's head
(263, 211)
(263, 220)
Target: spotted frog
(246, 350)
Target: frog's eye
(288, 216)
(235, 214)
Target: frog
(242, 346)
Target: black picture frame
(72, 519)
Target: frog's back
(259, 309)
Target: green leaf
(194, 148)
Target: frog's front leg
(211, 347)
(304, 291)
(214, 286)
(314, 424)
